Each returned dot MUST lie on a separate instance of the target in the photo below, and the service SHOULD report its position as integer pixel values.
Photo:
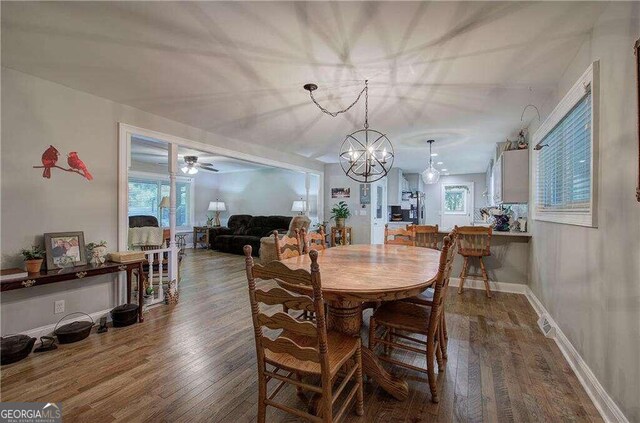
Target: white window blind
(564, 163)
(565, 179)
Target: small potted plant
(340, 212)
(33, 258)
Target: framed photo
(65, 249)
(340, 192)
(637, 53)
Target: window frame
(590, 78)
(156, 177)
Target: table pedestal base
(346, 317)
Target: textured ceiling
(456, 72)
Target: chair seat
(423, 298)
(404, 316)
(474, 252)
(340, 348)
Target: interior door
(456, 204)
(378, 210)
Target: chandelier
(431, 174)
(366, 155)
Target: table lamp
(165, 203)
(299, 206)
(217, 206)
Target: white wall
(262, 192)
(35, 114)
(334, 177)
(589, 278)
(433, 194)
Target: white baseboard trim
(608, 409)
(474, 283)
(48, 329)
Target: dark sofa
(244, 229)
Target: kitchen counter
(496, 233)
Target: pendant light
(431, 174)
(366, 155)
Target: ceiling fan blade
(205, 164)
(210, 169)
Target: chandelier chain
(365, 90)
(366, 104)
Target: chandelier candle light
(366, 155)
(431, 174)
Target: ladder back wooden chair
(302, 348)
(313, 240)
(399, 236)
(400, 320)
(474, 242)
(425, 298)
(426, 236)
(287, 246)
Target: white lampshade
(165, 203)
(431, 175)
(217, 206)
(299, 206)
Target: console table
(79, 272)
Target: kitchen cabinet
(396, 183)
(510, 178)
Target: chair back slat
(313, 240)
(399, 236)
(449, 249)
(287, 247)
(297, 280)
(426, 236)
(474, 240)
(278, 295)
(285, 322)
(287, 346)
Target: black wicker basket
(74, 331)
(15, 347)
(124, 315)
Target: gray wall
(433, 194)
(36, 113)
(589, 278)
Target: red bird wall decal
(50, 160)
(75, 163)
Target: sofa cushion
(238, 220)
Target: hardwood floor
(196, 362)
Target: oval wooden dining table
(352, 275)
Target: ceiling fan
(191, 165)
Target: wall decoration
(340, 192)
(50, 160)
(365, 194)
(637, 53)
(65, 249)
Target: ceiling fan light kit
(366, 155)
(191, 165)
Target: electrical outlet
(58, 307)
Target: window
(455, 199)
(564, 165)
(145, 195)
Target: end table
(343, 235)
